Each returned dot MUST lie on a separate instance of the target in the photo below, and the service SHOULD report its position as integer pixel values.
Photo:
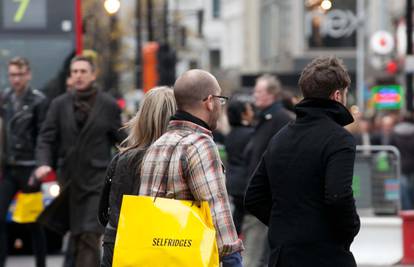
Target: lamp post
(112, 6)
(138, 53)
(409, 75)
(111, 79)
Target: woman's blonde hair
(151, 120)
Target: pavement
(57, 261)
(28, 261)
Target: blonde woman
(147, 126)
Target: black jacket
(21, 126)
(125, 181)
(270, 121)
(82, 154)
(302, 188)
(236, 169)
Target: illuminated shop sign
(387, 96)
(330, 26)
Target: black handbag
(56, 216)
(103, 211)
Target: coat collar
(96, 109)
(188, 125)
(185, 116)
(268, 113)
(318, 107)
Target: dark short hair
(323, 76)
(83, 58)
(274, 86)
(235, 110)
(20, 62)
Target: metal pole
(360, 66)
(138, 57)
(165, 22)
(78, 27)
(149, 21)
(112, 77)
(409, 76)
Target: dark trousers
(85, 250)
(238, 213)
(108, 254)
(15, 178)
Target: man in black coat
(271, 118)
(80, 128)
(23, 110)
(302, 188)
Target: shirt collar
(181, 115)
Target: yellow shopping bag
(164, 233)
(28, 207)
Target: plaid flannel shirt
(195, 172)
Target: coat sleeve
(41, 111)
(47, 139)
(116, 133)
(258, 199)
(207, 182)
(339, 198)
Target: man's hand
(42, 171)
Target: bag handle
(165, 177)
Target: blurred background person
(81, 127)
(23, 110)
(364, 135)
(271, 117)
(403, 138)
(148, 125)
(289, 99)
(385, 127)
(240, 115)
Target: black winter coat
(125, 181)
(236, 170)
(302, 189)
(22, 126)
(82, 154)
(271, 120)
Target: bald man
(195, 171)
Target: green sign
(387, 96)
(356, 185)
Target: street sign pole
(360, 62)
(78, 27)
(409, 75)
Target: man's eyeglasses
(222, 99)
(17, 74)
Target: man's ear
(337, 96)
(209, 103)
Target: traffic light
(166, 65)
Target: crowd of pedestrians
(284, 197)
